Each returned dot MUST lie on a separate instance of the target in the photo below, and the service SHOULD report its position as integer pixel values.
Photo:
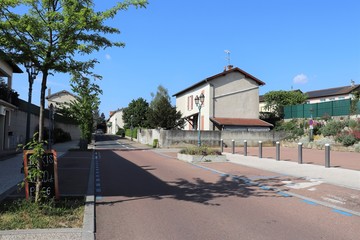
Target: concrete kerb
(336, 176)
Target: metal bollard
(233, 146)
(300, 160)
(260, 149)
(245, 148)
(327, 155)
(222, 145)
(277, 151)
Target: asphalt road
(147, 195)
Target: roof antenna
(227, 57)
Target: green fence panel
(341, 108)
(298, 111)
(324, 109)
(287, 112)
(310, 110)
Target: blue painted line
(98, 184)
(309, 202)
(99, 197)
(283, 194)
(98, 190)
(265, 187)
(342, 212)
(98, 180)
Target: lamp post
(131, 127)
(199, 100)
(32, 71)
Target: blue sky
(288, 44)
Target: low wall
(181, 138)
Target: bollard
(245, 148)
(233, 146)
(222, 145)
(277, 151)
(300, 160)
(260, 149)
(327, 155)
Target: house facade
(58, 98)
(231, 101)
(7, 69)
(332, 94)
(115, 121)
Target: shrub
(202, 150)
(346, 139)
(332, 128)
(291, 127)
(155, 143)
(121, 132)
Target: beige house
(231, 102)
(58, 98)
(332, 94)
(7, 69)
(115, 121)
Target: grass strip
(23, 214)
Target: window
(190, 103)
(322, 99)
(341, 98)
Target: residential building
(115, 121)
(332, 94)
(231, 102)
(7, 69)
(58, 98)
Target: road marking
(247, 181)
(309, 202)
(283, 194)
(342, 212)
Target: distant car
(99, 131)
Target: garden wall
(180, 138)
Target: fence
(332, 108)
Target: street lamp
(199, 100)
(131, 127)
(32, 71)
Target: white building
(115, 121)
(231, 102)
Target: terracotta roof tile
(253, 122)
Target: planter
(201, 158)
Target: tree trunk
(42, 105)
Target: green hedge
(134, 132)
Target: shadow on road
(121, 177)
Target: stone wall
(181, 138)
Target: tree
(135, 114)
(161, 114)
(276, 100)
(86, 104)
(53, 33)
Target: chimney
(352, 83)
(230, 67)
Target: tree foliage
(135, 114)
(161, 114)
(86, 104)
(54, 33)
(276, 100)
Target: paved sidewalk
(77, 167)
(337, 176)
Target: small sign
(48, 165)
(311, 122)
